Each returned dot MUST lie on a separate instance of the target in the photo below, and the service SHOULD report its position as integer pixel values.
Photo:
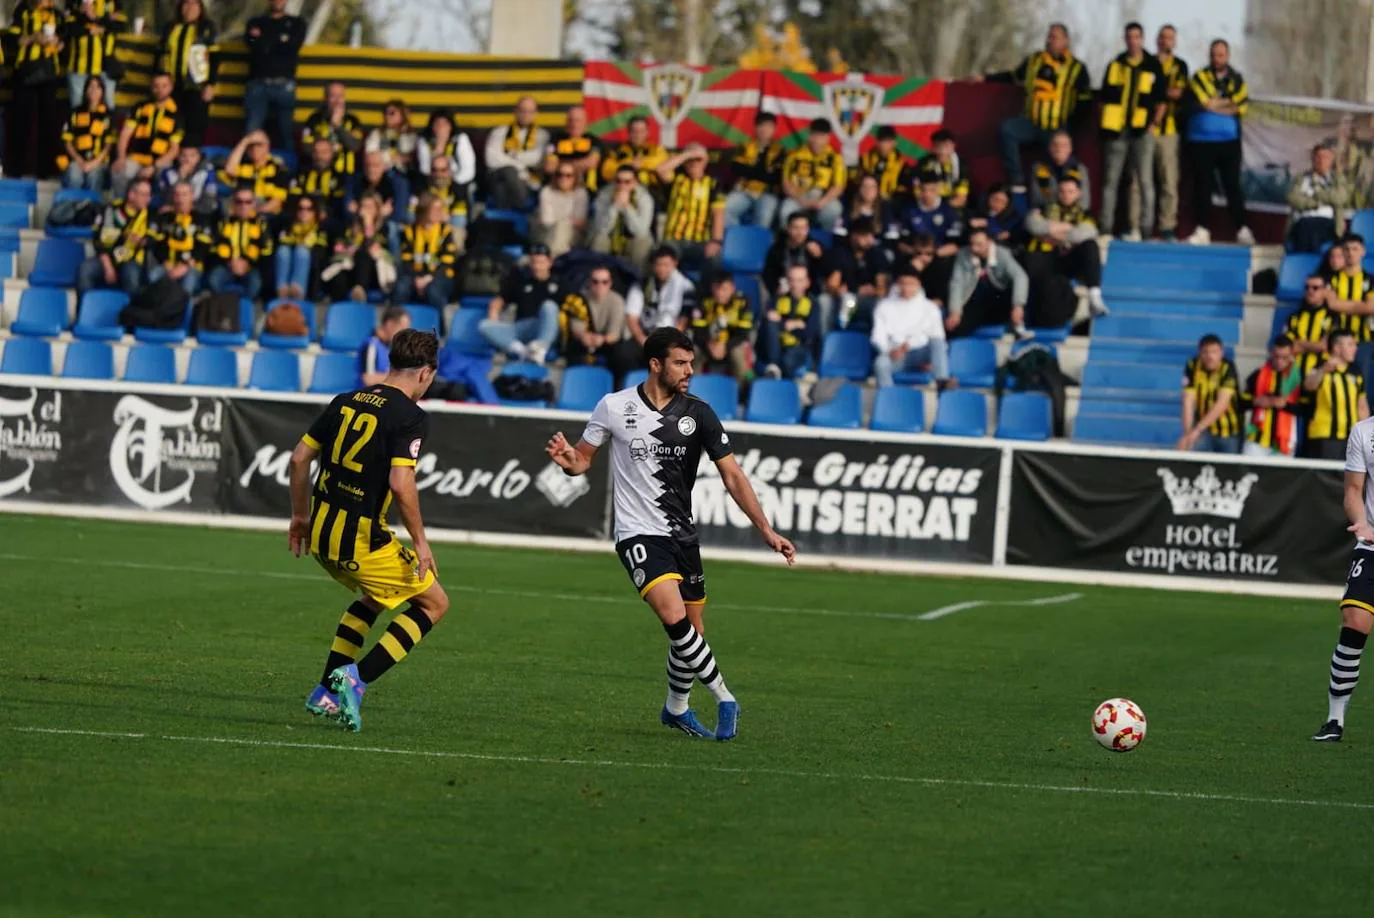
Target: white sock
(679, 684)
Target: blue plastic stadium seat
(520, 220)
(720, 392)
(899, 409)
(97, 319)
(973, 362)
(1052, 333)
(744, 249)
(525, 369)
(347, 325)
(275, 371)
(290, 342)
(14, 215)
(72, 194)
(238, 338)
(1363, 224)
(583, 387)
(288, 159)
(334, 373)
(56, 263)
(1293, 273)
(19, 191)
(213, 366)
(990, 332)
(824, 236)
(844, 410)
(847, 354)
(961, 414)
(150, 363)
(474, 302)
(463, 336)
(774, 401)
(167, 335)
(32, 356)
(636, 377)
(425, 318)
(215, 155)
(751, 288)
(42, 313)
(1025, 416)
(88, 360)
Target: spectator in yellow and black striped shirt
(1056, 83)
(189, 54)
(91, 29)
(694, 219)
(428, 256)
(1211, 421)
(37, 113)
(813, 178)
(322, 181)
(86, 160)
(150, 139)
(884, 162)
(1350, 296)
(259, 171)
(1339, 401)
(756, 165)
(1165, 156)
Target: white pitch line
(716, 769)
(941, 612)
(461, 588)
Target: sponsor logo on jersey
(686, 426)
(29, 435)
(157, 452)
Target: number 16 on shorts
(1359, 585)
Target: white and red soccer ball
(1119, 724)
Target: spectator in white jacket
(909, 333)
(515, 157)
(666, 297)
(442, 139)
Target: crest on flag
(853, 105)
(671, 88)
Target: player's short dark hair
(819, 126)
(1205, 340)
(412, 348)
(765, 118)
(1339, 334)
(886, 132)
(1282, 341)
(663, 340)
(942, 135)
(393, 314)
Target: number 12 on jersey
(360, 422)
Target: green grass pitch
(514, 764)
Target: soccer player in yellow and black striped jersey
(1055, 83)
(1211, 423)
(694, 218)
(367, 443)
(1339, 403)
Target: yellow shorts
(387, 575)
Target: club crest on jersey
(639, 577)
(415, 448)
(686, 426)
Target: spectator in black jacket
(794, 247)
(274, 47)
(756, 167)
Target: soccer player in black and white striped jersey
(1357, 605)
(657, 433)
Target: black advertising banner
(480, 472)
(856, 498)
(156, 452)
(1177, 517)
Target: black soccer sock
(694, 655)
(406, 630)
(1345, 672)
(349, 638)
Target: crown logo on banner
(1207, 494)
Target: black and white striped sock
(1345, 672)
(679, 684)
(694, 656)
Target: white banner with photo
(1279, 134)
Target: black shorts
(651, 559)
(1359, 584)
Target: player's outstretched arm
(573, 460)
(298, 534)
(407, 497)
(737, 483)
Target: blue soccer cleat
(727, 720)
(350, 689)
(322, 703)
(686, 722)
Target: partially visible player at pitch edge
(1357, 605)
(367, 442)
(657, 433)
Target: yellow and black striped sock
(349, 638)
(406, 630)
